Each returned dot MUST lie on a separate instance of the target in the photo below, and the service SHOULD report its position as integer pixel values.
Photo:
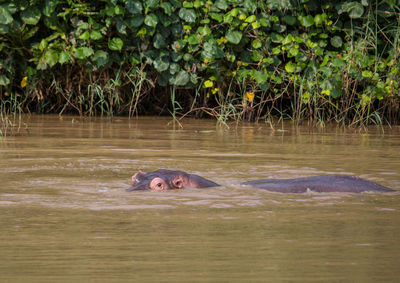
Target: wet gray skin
(163, 179)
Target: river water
(65, 214)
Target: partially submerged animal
(163, 179)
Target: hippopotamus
(163, 179)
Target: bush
(239, 59)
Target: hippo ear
(178, 182)
(134, 177)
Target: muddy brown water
(65, 215)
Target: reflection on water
(65, 214)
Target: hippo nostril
(137, 188)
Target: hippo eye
(157, 184)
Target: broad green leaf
(83, 25)
(256, 43)
(167, 7)
(233, 36)
(257, 56)
(228, 18)
(182, 78)
(135, 21)
(151, 4)
(121, 26)
(134, 7)
(276, 38)
(250, 5)
(367, 74)
(290, 20)
(115, 44)
(163, 79)
(187, 4)
(292, 52)
(216, 16)
(336, 41)
(42, 45)
(4, 29)
(276, 50)
(255, 25)
(174, 68)
(64, 57)
(30, 33)
(14, 6)
(194, 78)
(264, 22)
(234, 12)
(187, 57)
(335, 93)
(204, 31)
(221, 4)
(279, 28)
(250, 19)
(51, 57)
(95, 35)
(354, 9)
(188, 15)
(365, 99)
(151, 20)
(290, 67)
(198, 3)
(319, 51)
(41, 65)
(83, 52)
(31, 16)
(100, 57)
(306, 21)
(118, 10)
(260, 76)
(4, 81)
(288, 39)
(134, 60)
(159, 41)
(193, 39)
(85, 35)
(161, 64)
(326, 86)
(319, 20)
(5, 16)
(49, 7)
(336, 62)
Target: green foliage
(330, 59)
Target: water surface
(65, 215)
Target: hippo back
(328, 183)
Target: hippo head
(163, 179)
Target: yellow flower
(23, 82)
(250, 96)
(208, 84)
(326, 92)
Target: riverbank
(241, 60)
